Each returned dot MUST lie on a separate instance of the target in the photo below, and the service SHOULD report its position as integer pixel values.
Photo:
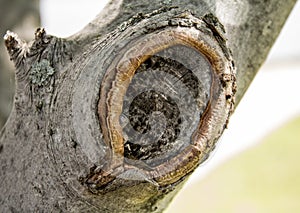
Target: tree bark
(22, 17)
(67, 146)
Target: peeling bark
(65, 148)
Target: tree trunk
(116, 117)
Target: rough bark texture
(21, 17)
(53, 150)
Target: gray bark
(21, 17)
(61, 150)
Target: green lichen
(40, 72)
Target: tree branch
(116, 117)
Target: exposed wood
(61, 149)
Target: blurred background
(255, 166)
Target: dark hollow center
(162, 106)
